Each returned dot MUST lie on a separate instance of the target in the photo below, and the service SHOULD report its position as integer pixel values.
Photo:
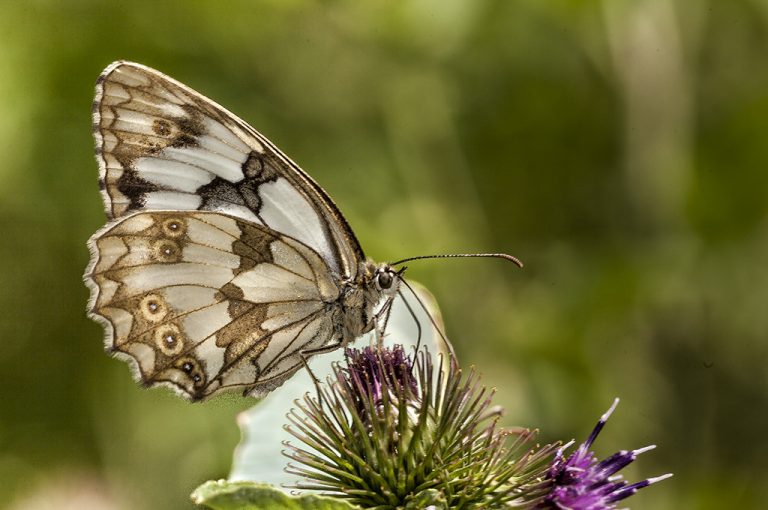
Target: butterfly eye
(384, 280)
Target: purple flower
(372, 370)
(581, 482)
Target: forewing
(162, 146)
(203, 302)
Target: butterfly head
(380, 280)
(387, 279)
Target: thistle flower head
(581, 482)
(389, 431)
(372, 371)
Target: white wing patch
(284, 209)
(169, 200)
(167, 173)
(267, 283)
(202, 157)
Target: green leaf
(430, 498)
(223, 495)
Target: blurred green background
(620, 148)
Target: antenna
(504, 256)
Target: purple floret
(581, 482)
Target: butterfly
(223, 264)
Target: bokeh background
(620, 148)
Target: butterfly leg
(306, 354)
(380, 321)
(315, 380)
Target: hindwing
(162, 146)
(202, 301)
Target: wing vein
(307, 319)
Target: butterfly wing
(162, 146)
(203, 302)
